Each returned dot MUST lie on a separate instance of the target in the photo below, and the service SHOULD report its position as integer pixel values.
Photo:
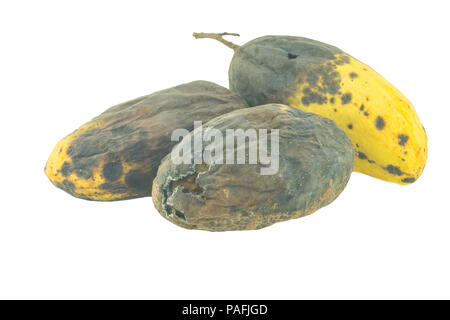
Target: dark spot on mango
(350, 126)
(312, 97)
(332, 100)
(408, 180)
(361, 108)
(346, 98)
(323, 78)
(353, 75)
(292, 56)
(112, 171)
(335, 110)
(394, 170)
(362, 156)
(86, 145)
(138, 181)
(366, 113)
(371, 161)
(379, 123)
(402, 139)
(305, 101)
(66, 169)
(179, 214)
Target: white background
(64, 62)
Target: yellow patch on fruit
(390, 142)
(85, 187)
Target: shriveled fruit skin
(388, 137)
(115, 156)
(315, 163)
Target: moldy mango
(387, 135)
(115, 156)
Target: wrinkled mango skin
(115, 156)
(387, 135)
(315, 164)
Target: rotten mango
(314, 163)
(387, 135)
(115, 156)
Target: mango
(115, 156)
(314, 163)
(389, 140)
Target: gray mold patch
(269, 70)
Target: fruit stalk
(218, 37)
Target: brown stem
(218, 37)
